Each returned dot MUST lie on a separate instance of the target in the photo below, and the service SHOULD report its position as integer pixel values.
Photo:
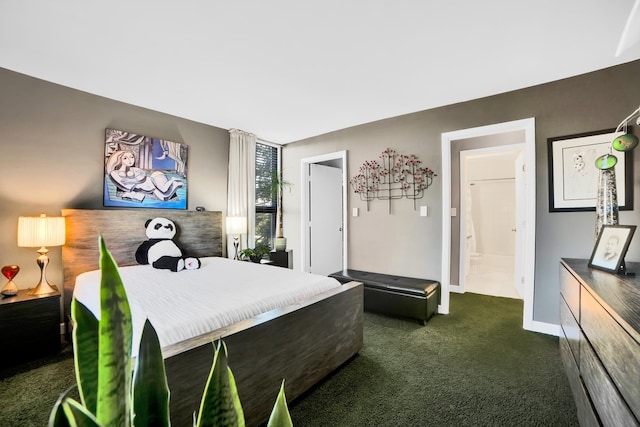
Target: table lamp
(41, 231)
(236, 225)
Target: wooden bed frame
(301, 343)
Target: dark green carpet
(29, 391)
(472, 367)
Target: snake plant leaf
(150, 387)
(69, 413)
(114, 354)
(280, 416)
(78, 415)
(85, 353)
(220, 406)
(57, 417)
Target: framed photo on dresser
(611, 247)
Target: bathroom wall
(492, 191)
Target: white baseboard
(545, 328)
(456, 288)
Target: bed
(301, 342)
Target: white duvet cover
(192, 302)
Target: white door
(325, 219)
(521, 224)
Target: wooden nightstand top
(23, 296)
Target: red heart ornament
(10, 271)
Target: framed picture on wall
(611, 247)
(144, 172)
(573, 176)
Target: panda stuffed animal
(160, 250)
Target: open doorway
(450, 240)
(490, 254)
(326, 237)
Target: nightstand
(29, 326)
(282, 258)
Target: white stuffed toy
(161, 251)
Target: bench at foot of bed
(395, 295)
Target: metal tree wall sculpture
(394, 177)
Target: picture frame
(611, 247)
(573, 177)
(144, 172)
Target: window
(267, 160)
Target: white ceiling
(289, 69)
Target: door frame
(341, 156)
(447, 138)
(461, 287)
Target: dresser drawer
(570, 290)
(586, 413)
(609, 404)
(617, 351)
(570, 328)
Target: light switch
(423, 211)
(354, 212)
(454, 212)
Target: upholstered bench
(396, 295)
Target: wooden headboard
(199, 234)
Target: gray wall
(405, 243)
(52, 140)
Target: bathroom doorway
(452, 143)
(489, 181)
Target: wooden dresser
(600, 342)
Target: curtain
(241, 187)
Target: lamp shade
(41, 231)
(236, 224)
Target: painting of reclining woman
(140, 171)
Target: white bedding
(192, 302)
